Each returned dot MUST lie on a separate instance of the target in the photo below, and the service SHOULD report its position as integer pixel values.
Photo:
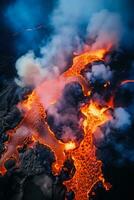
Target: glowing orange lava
(88, 168)
(80, 61)
(34, 125)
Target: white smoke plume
(29, 70)
(122, 119)
(103, 28)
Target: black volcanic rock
(9, 164)
(37, 160)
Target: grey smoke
(115, 139)
(99, 72)
(122, 119)
(105, 29)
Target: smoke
(53, 15)
(122, 119)
(99, 72)
(115, 139)
(63, 116)
(68, 23)
(29, 70)
(105, 29)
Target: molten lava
(88, 168)
(70, 146)
(34, 126)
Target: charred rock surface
(33, 178)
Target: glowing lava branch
(127, 81)
(34, 127)
(80, 61)
(88, 168)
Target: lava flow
(88, 168)
(34, 126)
